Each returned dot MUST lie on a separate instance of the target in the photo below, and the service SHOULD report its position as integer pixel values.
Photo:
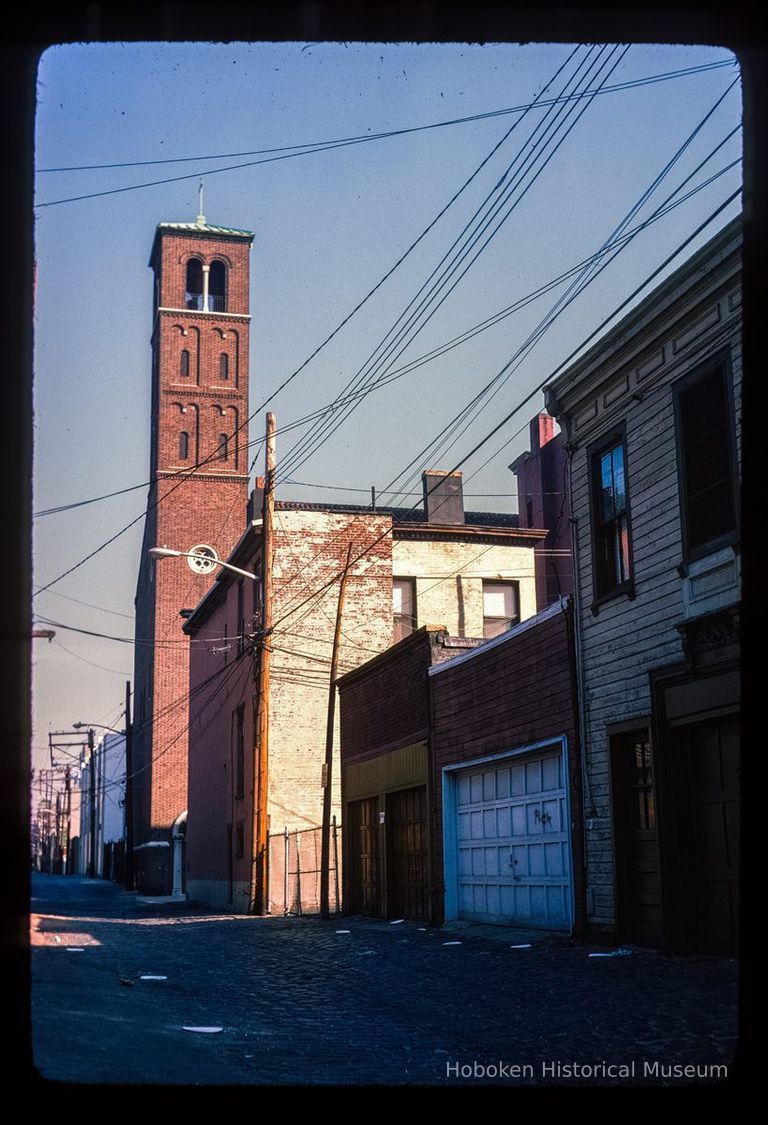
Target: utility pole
(325, 850)
(68, 821)
(128, 789)
(92, 806)
(258, 895)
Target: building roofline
(392, 653)
(198, 230)
(504, 638)
(694, 270)
(224, 578)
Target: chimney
(443, 497)
(542, 430)
(255, 501)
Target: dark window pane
(707, 484)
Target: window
(610, 519)
(501, 607)
(223, 366)
(223, 447)
(240, 753)
(404, 606)
(217, 280)
(183, 445)
(706, 461)
(240, 839)
(194, 294)
(184, 364)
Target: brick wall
(388, 705)
(310, 549)
(506, 696)
(206, 507)
(449, 579)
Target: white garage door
(513, 857)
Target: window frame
(508, 582)
(721, 361)
(601, 592)
(397, 618)
(183, 445)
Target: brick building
(197, 495)
(460, 564)
(461, 778)
(652, 416)
(542, 487)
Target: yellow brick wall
(449, 580)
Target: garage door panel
(517, 781)
(551, 771)
(520, 872)
(533, 777)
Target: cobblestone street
(303, 1001)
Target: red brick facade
(512, 694)
(198, 494)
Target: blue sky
(328, 226)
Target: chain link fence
(294, 871)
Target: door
(708, 803)
(512, 842)
(364, 861)
(407, 866)
(636, 841)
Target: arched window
(223, 449)
(194, 293)
(184, 364)
(223, 366)
(217, 282)
(183, 446)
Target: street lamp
(203, 559)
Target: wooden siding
(627, 638)
(406, 766)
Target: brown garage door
(364, 862)
(407, 861)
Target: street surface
(300, 1003)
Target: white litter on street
(74, 949)
(526, 945)
(397, 921)
(152, 976)
(451, 943)
(614, 953)
(343, 931)
(208, 1030)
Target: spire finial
(201, 216)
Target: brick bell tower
(198, 495)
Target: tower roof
(195, 230)
(204, 228)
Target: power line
(587, 274)
(686, 242)
(286, 381)
(421, 360)
(309, 150)
(553, 132)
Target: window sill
(626, 590)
